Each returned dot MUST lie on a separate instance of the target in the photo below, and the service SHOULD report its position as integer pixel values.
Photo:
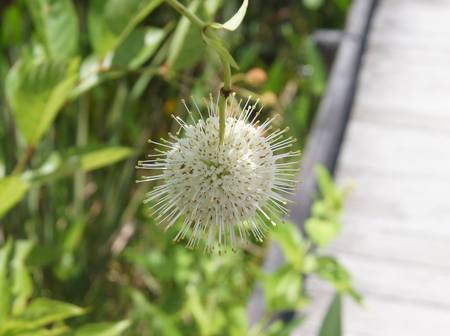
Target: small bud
(269, 99)
(256, 77)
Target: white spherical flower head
(222, 190)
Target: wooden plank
(396, 226)
(396, 235)
(378, 316)
(395, 246)
(397, 150)
(410, 282)
(326, 136)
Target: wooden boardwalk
(396, 234)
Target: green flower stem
(223, 98)
(183, 10)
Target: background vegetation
(83, 86)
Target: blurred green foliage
(83, 85)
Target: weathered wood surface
(396, 234)
(327, 132)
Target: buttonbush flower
(222, 192)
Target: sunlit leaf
(291, 242)
(337, 275)
(103, 329)
(5, 286)
(111, 21)
(22, 284)
(236, 20)
(103, 157)
(56, 22)
(39, 313)
(140, 45)
(93, 71)
(12, 190)
(64, 164)
(283, 289)
(324, 180)
(60, 330)
(36, 93)
(322, 231)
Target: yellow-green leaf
(103, 157)
(111, 21)
(103, 329)
(56, 23)
(40, 312)
(12, 189)
(236, 20)
(36, 93)
(5, 286)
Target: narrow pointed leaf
(5, 287)
(332, 323)
(22, 284)
(103, 329)
(236, 20)
(64, 164)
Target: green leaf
(291, 242)
(54, 331)
(322, 231)
(36, 92)
(93, 71)
(22, 284)
(277, 76)
(111, 21)
(140, 45)
(186, 46)
(12, 190)
(161, 321)
(61, 165)
(103, 329)
(103, 157)
(56, 22)
(313, 4)
(283, 289)
(12, 28)
(42, 255)
(236, 20)
(332, 195)
(324, 180)
(39, 313)
(5, 286)
(332, 323)
(317, 79)
(332, 271)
